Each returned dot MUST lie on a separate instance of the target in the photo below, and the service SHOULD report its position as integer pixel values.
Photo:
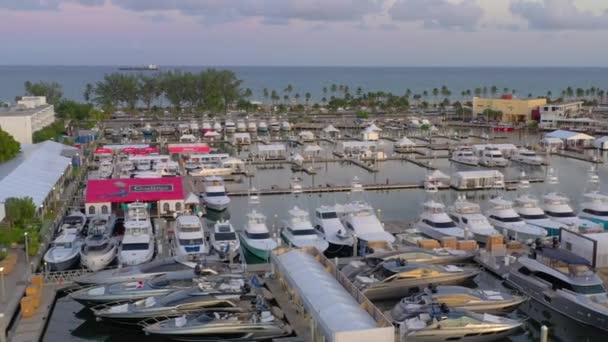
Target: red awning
(151, 150)
(129, 150)
(134, 189)
(189, 148)
(102, 150)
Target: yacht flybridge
(506, 220)
(436, 224)
(298, 231)
(468, 216)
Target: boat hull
(338, 250)
(64, 265)
(463, 334)
(263, 254)
(602, 222)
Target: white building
(31, 114)
(570, 115)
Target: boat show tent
(552, 144)
(188, 148)
(572, 139)
(601, 143)
(370, 134)
(482, 179)
(271, 151)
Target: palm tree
(285, 99)
(324, 100)
(334, 88)
(505, 90)
(529, 95)
(359, 91)
(493, 90)
(569, 92)
(273, 96)
(549, 94)
(289, 89)
(435, 93)
(266, 94)
(324, 91)
(425, 94)
(477, 91)
(485, 91)
(297, 96)
(307, 97)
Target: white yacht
(491, 156)
(528, 209)
(255, 238)
(262, 127)
(464, 155)
(506, 220)
(73, 223)
(528, 157)
(558, 208)
(214, 196)
(328, 224)
(100, 247)
(189, 236)
(275, 126)
(194, 127)
(138, 244)
(285, 126)
(106, 168)
(241, 126)
(224, 239)
(298, 231)
(361, 221)
(595, 208)
(229, 126)
(64, 252)
(252, 126)
(217, 127)
(143, 164)
(435, 223)
(468, 216)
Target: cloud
(44, 5)
(438, 13)
(558, 15)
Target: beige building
(31, 114)
(514, 110)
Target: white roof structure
(270, 147)
(569, 135)
(312, 148)
(549, 140)
(307, 134)
(357, 143)
(373, 127)
(438, 175)
(232, 161)
(38, 171)
(192, 199)
(210, 134)
(330, 129)
(297, 158)
(405, 142)
(600, 142)
(242, 135)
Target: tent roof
(373, 127)
(211, 134)
(312, 148)
(134, 189)
(404, 141)
(192, 199)
(330, 128)
(569, 135)
(439, 175)
(271, 147)
(232, 161)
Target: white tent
(312, 148)
(192, 199)
(331, 129)
(601, 143)
(373, 127)
(297, 158)
(211, 134)
(404, 142)
(569, 135)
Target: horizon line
(309, 66)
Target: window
(506, 219)
(330, 215)
(449, 224)
(92, 210)
(588, 289)
(225, 236)
(215, 194)
(257, 236)
(104, 209)
(564, 214)
(596, 212)
(166, 207)
(525, 271)
(178, 206)
(135, 246)
(298, 232)
(533, 217)
(191, 242)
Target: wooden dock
(32, 328)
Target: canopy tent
(189, 148)
(438, 175)
(134, 189)
(569, 135)
(373, 127)
(405, 141)
(129, 150)
(211, 134)
(232, 161)
(151, 150)
(192, 199)
(601, 143)
(102, 150)
(297, 158)
(331, 129)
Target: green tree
(307, 97)
(148, 90)
(9, 147)
(493, 90)
(20, 211)
(88, 92)
(52, 90)
(116, 90)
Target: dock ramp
(338, 311)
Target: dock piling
(544, 333)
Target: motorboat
(557, 207)
(100, 247)
(492, 156)
(217, 127)
(595, 208)
(241, 126)
(64, 252)
(172, 305)
(397, 278)
(528, 209)
(189, 236)
(465, 155)
(275, 125)
(218, 326)
(361, 221)
(138, 242)
(73, 223)
(436, 224)
(528, 157)
(143, 164)
(506, 220)
(438, 323)
(224, 240)
(106, 168)
(161, 285)
(229, 126)
(285, 126)
(252, 126)
(262, 127)
(458, 298)
(214, 196)
(298, 231)
(328, 224)
(564, 282)
(467, 215)
(194, 127)
(206, 127)
(425, 256)
(255, 238)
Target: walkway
(14, 286)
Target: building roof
(569, 135)
(134, 189)
(357, 143)
(22, 112)
(189, 148)
(330, 128)
(34, 172)
(599, 142)
(270, 147)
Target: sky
(305, 32)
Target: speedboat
(241, 126)
(491, 156)
(557, 208)
(528, 209)
(256, 325)
(398, 278)
(73, 223)
(361, 221)
(285, 126)
(468, 216)
(436, 224)
(100, 247)
(564, 282)
(138, 244)
(465, 155)
(595, 208)
(162, 285)
(214, 196)
(458, 298)
(229, 126)
(262, 127)
(252, 126)
(275, 126)
(224, 239)
(106, 168)
(64, 252)
(438, 323)
(425, 256)
(255, 238)
(506, 220)
(528, 157)
(217, 127)
(328, 224)
(189, 236)
(298, 231)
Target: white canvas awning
(569, 135)
(331, 129)
(192, 199)
(312, 148)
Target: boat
(73, 223)
(214, 196)
(252, 126)
(328, 224)
(436, 224)
(262, 127)
(189, 236)
(149, 67)
(260, 324)
(217, 127)
(595, 208)
(229, 126)
(100, 247)
(143, 164)
(361, 221)
(438, 323)
(564, 282)
(106, 168)
(506, 220)
(464, 155)
(255, 237)
(425, 256)
(138, 242)
(468, 216)
(224, 240)
(528, 209)
(194, 127)
(241, 126)
(458, 298)
(285, 126)
(298, 231)
(557, 207)
(64, 252)
(492, 157)
(397, 278)
(528, 157)
(161, 285)
(275, 125)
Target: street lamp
(2, 283)
(27, 254)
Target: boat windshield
(135, 246)
(189, 228)
(589, 289)
(533, 217)
(66, 245)
(191, 242)
(563, 214)
(596, 212)
(300, 232)
(225, 236)
(258, 236)
(329, 215)
(449, 224)
(507, 219)
(215, 194)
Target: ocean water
(536, 81)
